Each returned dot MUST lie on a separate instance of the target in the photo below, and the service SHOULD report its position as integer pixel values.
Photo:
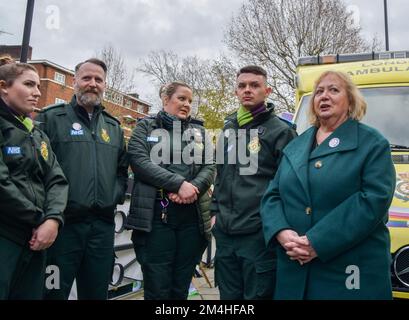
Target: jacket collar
(344, 138)
(7, 114)
(299, 152)
(231, 120)
(82, 113)
(164, 120)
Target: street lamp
(385, 8)
(27, 31)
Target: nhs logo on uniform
(77, 132)
(12, 151)
(152, 139)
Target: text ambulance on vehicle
(383, 79)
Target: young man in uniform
(244, 267)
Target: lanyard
(164, 204)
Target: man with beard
(89, 145)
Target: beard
(89, 98)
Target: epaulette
(229, 119)
(197, 121)
(289, 123)
(147, 117)
(51, 107)
(232, 114)
(111, 116)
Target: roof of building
(57, 66)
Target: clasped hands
(297, 247)
(187, 194)
(44, 236)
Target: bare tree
(162, 66)
(211, 81)
(166, 66)
(274, 33)
(118, 76)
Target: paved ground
(200, 288)
(205, 290)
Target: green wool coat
(337, 195)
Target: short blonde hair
(169, 89)
(6, 59)
(357, 104)
(162, 90)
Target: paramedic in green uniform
(174, 168)
(327, 208)
(33, 189)
(244, 267)
(89, 144)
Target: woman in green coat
(327, 207)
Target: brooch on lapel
(334, 142)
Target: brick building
(57, 86)
(14, 51)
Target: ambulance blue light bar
(351, 57)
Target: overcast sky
(136, 27)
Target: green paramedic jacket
(92, 154)
(237, 193)
(33, 187)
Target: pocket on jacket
(119, 196)
(266, 274)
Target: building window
(59, 77)
(128, 104)
(114, 97)
(141, 109)
(58, 100)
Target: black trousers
(244, 267)
(22, 272)
(168, 256)
(83, 251)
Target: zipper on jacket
(34, 150)
(33, 146)
(30, 183)
(235, 172)
(192, 167)
(94, 155)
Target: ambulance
(383, 79)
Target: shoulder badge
(254, 145)
(105, 136)
(51, 107)
(44, 150)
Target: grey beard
(88, 100)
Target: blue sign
(77, 132)
(12, 150)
